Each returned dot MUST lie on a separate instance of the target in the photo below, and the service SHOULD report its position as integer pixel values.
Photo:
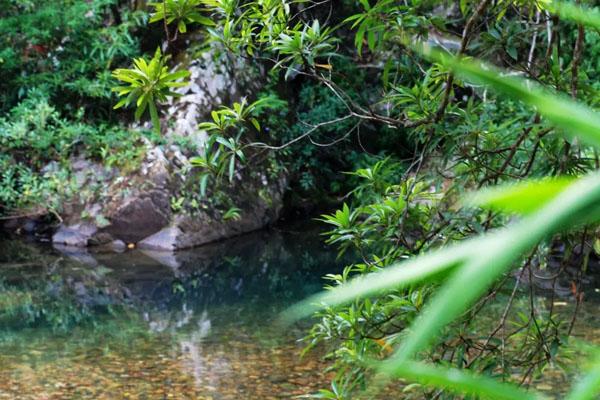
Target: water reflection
(193, 324)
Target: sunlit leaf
(522, 198)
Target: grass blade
(575, 118)
(588, 387)
(523, 197)
(490, 259)
(575, 13)
(460, 381)
(398, 275)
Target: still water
(195, 324)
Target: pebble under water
(195, 324)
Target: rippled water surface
(196, 324)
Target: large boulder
(129, 208)
(145, 208)
(260, 204)
(137, 209)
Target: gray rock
(30, 225)
(77, 235)
(147, 208)
(163, 240)
(140, 216)
(52, 166)
(100, 239)
(118, 246)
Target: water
(196, 324)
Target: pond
(195, 324)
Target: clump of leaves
(473, 266)
(224, 147)
(148, 83)
(233, 213)
(301, 47)
(182, 12)
(66, 49)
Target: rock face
(140, 216)
(137, 209)
(136, 206)
(213, 82)
(146, 208)
(257, 211)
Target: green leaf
(225, 142)
(203, 20)
(181, 26)
(462, 382)
(203, 184)
(154, 116)
(575, 118)
(588, 387)
(255, 123)
(140, 110)
(198, 162)
(573, 12)
(231, 167)
(176, 75)
(523, 198)
(120, 104)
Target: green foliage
(56, 99)
(224, 147)
(148, 83)
(66, 49)
(36, 143)
(182, 12)
(552, 205)
(250, 31)
(34, 306)
(233, 213)
(304, 47)
(408, 97)
(563, 112)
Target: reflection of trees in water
(195, 361)
(63, 287)
(201, 315)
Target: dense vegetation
(398, 109)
